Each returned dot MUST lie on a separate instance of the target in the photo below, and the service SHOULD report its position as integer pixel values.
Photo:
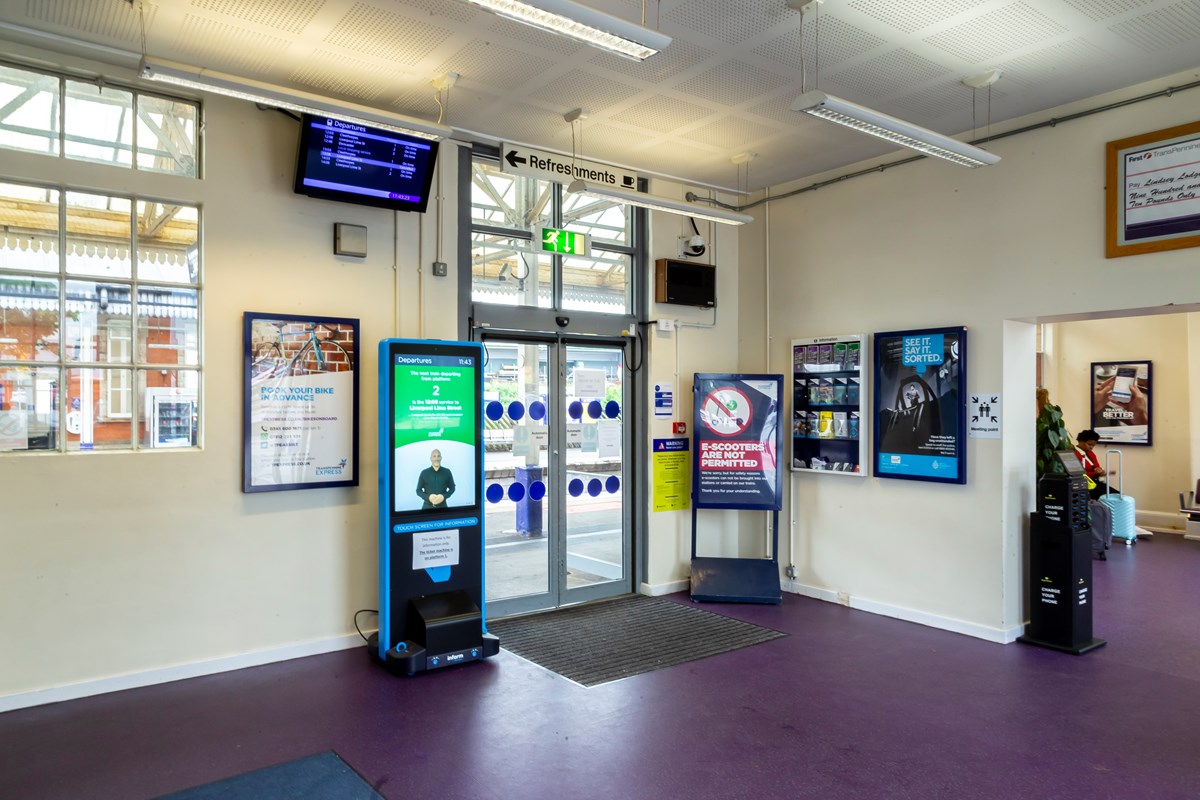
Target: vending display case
(172, 417)
(828, 392)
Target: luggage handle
(1120, 471)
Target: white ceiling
(723, 87)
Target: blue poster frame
(908, 465)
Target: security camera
(562, 322)
(692, 246)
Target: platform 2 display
(431, 599)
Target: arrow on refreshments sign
(556, 240)
(517, 159)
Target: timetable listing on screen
(344, 157)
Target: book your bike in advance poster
(738, 440)
(920, 411)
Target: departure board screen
(354, 163)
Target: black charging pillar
(1060, 568)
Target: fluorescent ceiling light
(568, 18)
(860, 118)
(657, 203)
(302, 102)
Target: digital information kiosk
(431, 600)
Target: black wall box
(685, 283)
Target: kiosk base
(1075, 650)
(447, 629)
(736, 580)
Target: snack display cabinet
(828, 393)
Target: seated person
(1085, 448)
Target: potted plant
(1052, 436)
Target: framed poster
(920, 405)
(300, 407)
(1120, 395)
(738, 440)
(1152, 195)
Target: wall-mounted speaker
(685, 283)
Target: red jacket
(1091, 464)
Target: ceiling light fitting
(301, 102)
(826, 106)
(657, 203)
(583, 24)
(983, 79)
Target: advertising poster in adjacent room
(736, 419)
(1120, 393)
(300, 415)
(920, 390)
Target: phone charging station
(431, 599)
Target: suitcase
(1100, 520)
(1124, 525)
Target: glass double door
(557, 526)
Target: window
(508, 269)
(99, 291)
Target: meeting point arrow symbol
(511, 158)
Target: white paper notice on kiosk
(435, 549)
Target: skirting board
(151, 677)
(998, 635)
(659, 589)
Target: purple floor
(850, 705)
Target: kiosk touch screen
(430, 505)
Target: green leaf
(1053, 437)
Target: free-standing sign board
(431, 599)
(300, 408)
(1121, 395)
(920, 414)
(1152, 197)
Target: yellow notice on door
(672, 474)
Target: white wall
(931, 244)
(1155, 475)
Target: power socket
(666, 325)
(440, 270)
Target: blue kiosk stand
(431, 600)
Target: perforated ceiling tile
(779, 109)
(836, 42)
(342, 76)
(520, 122)
(607, 143)
(680, 55)
(419, 102)
(945, 99)
(1001, 31)
(450, 9)
(495, 65)
(730, 21)
(733, 133)
(732, 82)
(578, 88)
(1103, 9)
(913, 15)
(672, 158)
(662, 113)
(119, 21)
(374, 32)
(1167, 28)
(290, 16)
(206, 41)
(1032, 68)
(507, 30)
(887, 74)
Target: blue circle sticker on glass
(495, 493)
(575, 410)
(516, 409)
(595, 487)
(516, 492)
(594, 409)
(575, 487)
(537, 490)
(537, 409)
(612, 409)
(495, 410)
(612, 484)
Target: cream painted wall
(1152, 475)
(930, 244)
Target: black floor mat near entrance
(603, 642)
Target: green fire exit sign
(567, 243)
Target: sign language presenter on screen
(436, 484)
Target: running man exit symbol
(570, 243)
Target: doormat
(321, 777)
(604, 642)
